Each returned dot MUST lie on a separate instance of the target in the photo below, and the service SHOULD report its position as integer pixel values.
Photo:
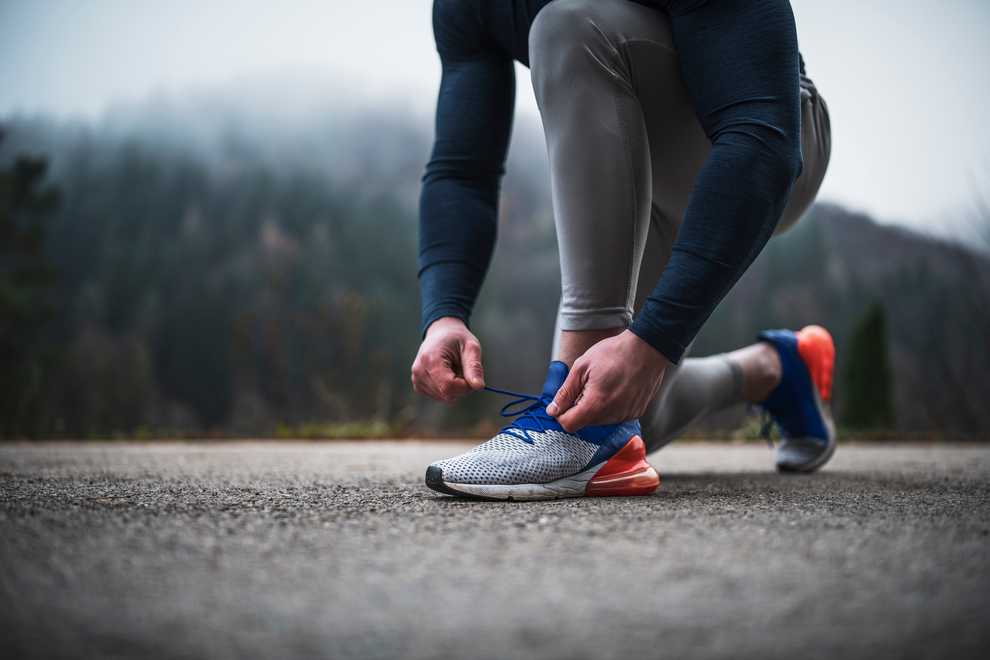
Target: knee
(560, 32)
(561, 23)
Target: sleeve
(458, 209)
(739, 60)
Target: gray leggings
(625, 148)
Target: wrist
(444, 323)
(646, 352)
(672, 351)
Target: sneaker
(799, 405)
(534, 458)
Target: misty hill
(834, 264)
(218, 268)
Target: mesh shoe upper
(506, 459)
(793, 403)
(534, 449)
(797, 404)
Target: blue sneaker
(534, 458)
(799, 404)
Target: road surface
(337, 550)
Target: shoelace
(766, 424)
(535, 412)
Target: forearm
(457, 235)
(458, 209)
(740, 196)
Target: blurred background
(208, 223)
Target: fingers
(436, 377)
(471, 365)
(438, 381)
(569, 392)
(578, 402)
(587, 411)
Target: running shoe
(799, 405)
(534, 458)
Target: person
(681, 135)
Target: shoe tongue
(556, 375)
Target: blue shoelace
(766, 423)
(535, 413)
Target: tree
(25, 279)
(868, 385)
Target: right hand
(448, 364)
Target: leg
(584, 51)
(739, 61)
(621, 133)
(679, 148)
(698, 387)
(599, 164)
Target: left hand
(612, 382)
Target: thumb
(568, 393)
(471, 364)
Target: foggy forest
(180, 269)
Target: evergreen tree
(868, 386)
(25, 280)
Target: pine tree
(868, 385)
(25, 279)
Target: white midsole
(572, 486)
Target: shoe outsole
(821, 459)
(625, 474)
(817, 351)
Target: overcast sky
(906, 82)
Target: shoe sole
(625, 474)
(817, 351)
(830, 444)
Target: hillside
(240, 274)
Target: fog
(904, 80)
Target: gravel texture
(337, 550)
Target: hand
(612, 382)
(448, 364)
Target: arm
(739, 60)
(459, 200)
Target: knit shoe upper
(534, 449)
(798, 405)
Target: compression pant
(626, 149)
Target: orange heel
(817, 351)
(627, 473)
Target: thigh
(678, 144)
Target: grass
(337, 430)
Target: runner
(681, 135)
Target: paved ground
(336, 550)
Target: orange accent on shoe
(626, 473)
(815, 346)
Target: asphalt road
(336, 550)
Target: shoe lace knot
(531, 419)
